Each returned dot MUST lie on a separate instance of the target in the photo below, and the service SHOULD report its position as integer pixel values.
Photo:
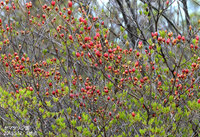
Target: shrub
(62, 76)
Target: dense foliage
(64, 73)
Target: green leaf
(122, 29)
(53, 127)
(142, 100)
(48, 103)
(110, 85)
(79, 128)
(69, 110)
(171, 98)
(162, 33)
(73, 122)
(125, 37)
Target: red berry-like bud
(106, 55)
(160, 39)
(197, 37)
(98, 53)
(77, 54)
(71, 95)
(191, 46)
(98, 91)
(152, 34)
(142, 80)
(23, 59)
(179, 37)
(50, 84)
(53, 3)
(70, 4)
(47, 93)
(110, 50)
(109, 67)
(168, 41)
(70, 37)
(136, 63)
(16, 86)
(183, 38)
(106, 91)
(198, 101)
(133, 114)
(31, 88)
(7, 8)
(167, 2)
(69, 12)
